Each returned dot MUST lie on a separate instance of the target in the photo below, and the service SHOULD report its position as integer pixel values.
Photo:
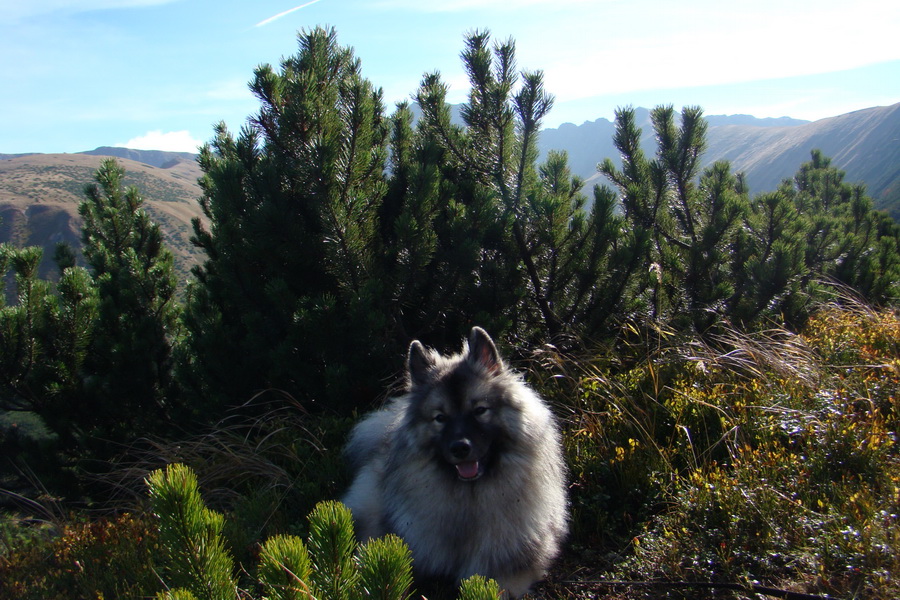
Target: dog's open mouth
(468, 470)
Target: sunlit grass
(769, 457)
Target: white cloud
(716, 43)
(172, 141)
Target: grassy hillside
(862, 143)
(40, 193)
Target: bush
(105, 558)
(329, 566)
(766, 457)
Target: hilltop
(40, 193)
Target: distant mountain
(721, 120)
(591, 142)
(8, 156)
(156, 158)
(865, 144)
(455, 113)
(40, 194)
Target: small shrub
(478, 588)
(190, 536)
(766, 456)
(284, 569)
(331, 545)
(329, 566)
(105, 558)
(384, 569)
(795, 478)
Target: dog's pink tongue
(468, 469)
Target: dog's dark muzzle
(463, 457)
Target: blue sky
(158, 74)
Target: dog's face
(459, 401)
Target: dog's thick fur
(466, 467)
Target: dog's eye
(480, 410)
(440, 418)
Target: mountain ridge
(863, 143)
(40, 193)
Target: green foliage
(384, 569)
(284, 568)
(767, 457)
(318, 272)
(292, 205)
(190, 536)
(846, 239)
(692, 224)
(768, 261)
(332, 543)
(555, 265)
(179, 594)
(478, 588)
(718, 254)
(45, 343)
(265, 473)
(327, 567)
(131, 349)
(15, 536)
(306, 252)
(91, 356)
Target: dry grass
(40, 193)
(766, 457)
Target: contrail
(282, 14)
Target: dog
(467, 467)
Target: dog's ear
(483, 352)
(419, 364)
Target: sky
(159, 74)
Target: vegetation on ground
(775, 462)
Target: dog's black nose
(460, 449)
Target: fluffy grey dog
(466, 467)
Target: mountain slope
(592, 141)
(864, 143)
(40, 194)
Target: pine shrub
(329, 566)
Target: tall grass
(766, 457)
